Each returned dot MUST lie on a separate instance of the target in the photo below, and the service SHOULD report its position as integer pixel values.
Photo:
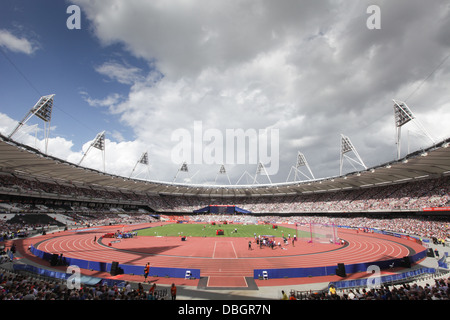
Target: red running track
(226, 257)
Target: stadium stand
(410, 196)
(32, 201)
(16, 285)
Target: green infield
(229, 230)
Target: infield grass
(209, 230)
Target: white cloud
(308, 68)
(109, 101)
(119, 72)
(120, 157)
(7, 124)
(15, 43)
(31, 134)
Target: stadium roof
(20, 159)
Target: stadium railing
(387, 280)
(127, 269)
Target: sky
(188, 80)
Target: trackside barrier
(56, 275)
(387, 279)
(127, 269)
(331, 270)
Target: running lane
(227, 256)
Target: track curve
(223, 256)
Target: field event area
(229, 230)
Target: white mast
(346, 147)
(98, 143)
(43, 110)
(403, 115)
(301, 162)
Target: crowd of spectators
(15, 286)
(420, 226)
(414, 195)
(437, 289)
(12, 230)
(66, 189)
(406, 196)
(106, 218)
(9, 230)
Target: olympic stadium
(392, 218)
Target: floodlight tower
(143, 160)
(301, 162)
(222, 170)
(346, 147)
(403, 115)
(183, 168)
(43, 110)
(259, 170)
(98, 143)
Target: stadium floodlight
(347, 147)
(183, 168)
(259, 170)
(301, 162)
(222, 170)
(143, 160)
(98, 143)
(403, 115)
(43, 110)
